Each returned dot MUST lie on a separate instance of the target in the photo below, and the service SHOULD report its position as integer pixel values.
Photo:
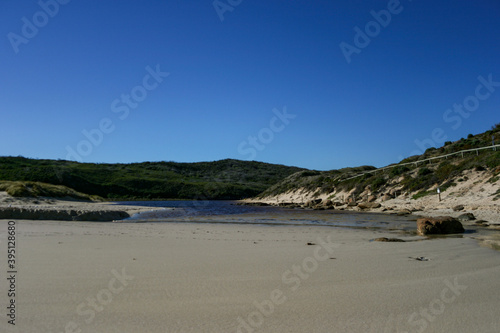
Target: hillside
(459, 169)
(225, 179)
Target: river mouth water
(179, 211)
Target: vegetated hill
(413, 176)
(38, 189)
(225, 179)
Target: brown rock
(458, 208)
(369, 205)
(403, 212)
(386, 197)
(371, 198)
(439, 225)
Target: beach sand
(171, 277)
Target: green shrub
(399, 170)
(445, 170)
(377, 183)
(424, 171)
(421, 194)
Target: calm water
(229, 212)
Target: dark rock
(253, 204)
(439, 225)
(352, 204)
(481, 222)
(466, 217)
(458, 208)
(61, 214)
(385, 239)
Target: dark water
(229, 212)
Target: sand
(171, 277)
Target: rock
(466, 217)
(371, 198)
(61, 214)
(458, 208)
(385, 239)
(352, 204)
(369, 205)
(252, 204)
(439, 225)
(403, 212)
(312, 203)
(338, 203)
(482, 222)
(328, 203)
(386, 197)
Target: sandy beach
(172, 277)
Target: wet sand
(191, 277)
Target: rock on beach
(439, 225)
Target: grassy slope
(416, 179)
(226, 179)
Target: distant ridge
(224, 179)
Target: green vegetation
(37, 189)
(226, 179)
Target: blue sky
(288, 82)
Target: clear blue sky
(288, 82)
